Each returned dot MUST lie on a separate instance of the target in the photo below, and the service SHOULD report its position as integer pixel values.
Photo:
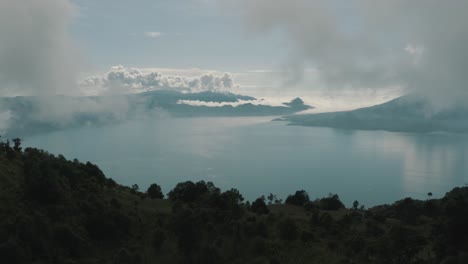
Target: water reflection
(431, 162)
(258, 157)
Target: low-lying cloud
(418, 44)
(37, 53)
(133, 80)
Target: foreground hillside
(404, 114)
(53, 210)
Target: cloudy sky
(256, 47)
(169, 34)
(178, 37)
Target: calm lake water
(261, 157)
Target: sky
(168, 34)
(193, 37)
(262, 48)
(179, 37)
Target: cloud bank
(133, 80)
(37, 54)
(419, 44)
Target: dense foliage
(53, 210)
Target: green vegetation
(53, 210)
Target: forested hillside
(53, 210)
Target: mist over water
(260, 157)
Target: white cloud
(132, 80)
(153, 34)
(415, 51)
(37, 54)
(363, 43)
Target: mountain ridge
(407, 113)
(29, 115)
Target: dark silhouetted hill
(53, 210)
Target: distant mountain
(404, 114)
(170, 101)
(174, 96)
(31, 115)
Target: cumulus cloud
(124, 80)
(419, 44)
(37, 55)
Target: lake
(259, 157)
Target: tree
(154, 191)
(10, 153)
(332, 202)
(429, 194)
(271, 197)
(355, 205)
(191, 192)
(185, 224)
(300, 198)
(259, 206)
(17, 144)
(135, 187)
(228, 200)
